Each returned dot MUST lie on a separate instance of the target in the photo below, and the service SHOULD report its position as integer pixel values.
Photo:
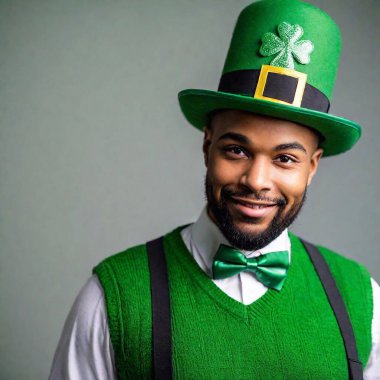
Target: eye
(235, 151)
(285, 159)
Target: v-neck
(177, 251)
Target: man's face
(258, 169)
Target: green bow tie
(270, 269)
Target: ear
(206, 144)
(314, 164)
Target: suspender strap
(354, 365)
(161, 317)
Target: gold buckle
(265, 69)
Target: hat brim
(339, 134)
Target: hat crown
(287, 33)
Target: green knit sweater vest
(291, 334)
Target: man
(245, 296)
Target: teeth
(255, 207)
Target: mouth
(253, 209)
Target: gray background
(95, 155)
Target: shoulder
(133, 259)
(90, 296)
(338, 263)
(87, 315)
(351, 277)
(130, 254)
(336, 260)
(126, 274)
(123, 272)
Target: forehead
(258, 128)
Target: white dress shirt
(85, 350)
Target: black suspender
(336, 302)
(161, 316)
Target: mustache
(228, 192)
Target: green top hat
(282, 62)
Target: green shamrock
(287, 46)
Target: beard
(249, 241)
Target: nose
(258, 175)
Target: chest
(285, 336)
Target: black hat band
(276, 86)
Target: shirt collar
(207, 237)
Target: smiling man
(236, 295)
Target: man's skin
(263, 163)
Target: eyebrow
(292, 145)
(234, 136)
(245, 140)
